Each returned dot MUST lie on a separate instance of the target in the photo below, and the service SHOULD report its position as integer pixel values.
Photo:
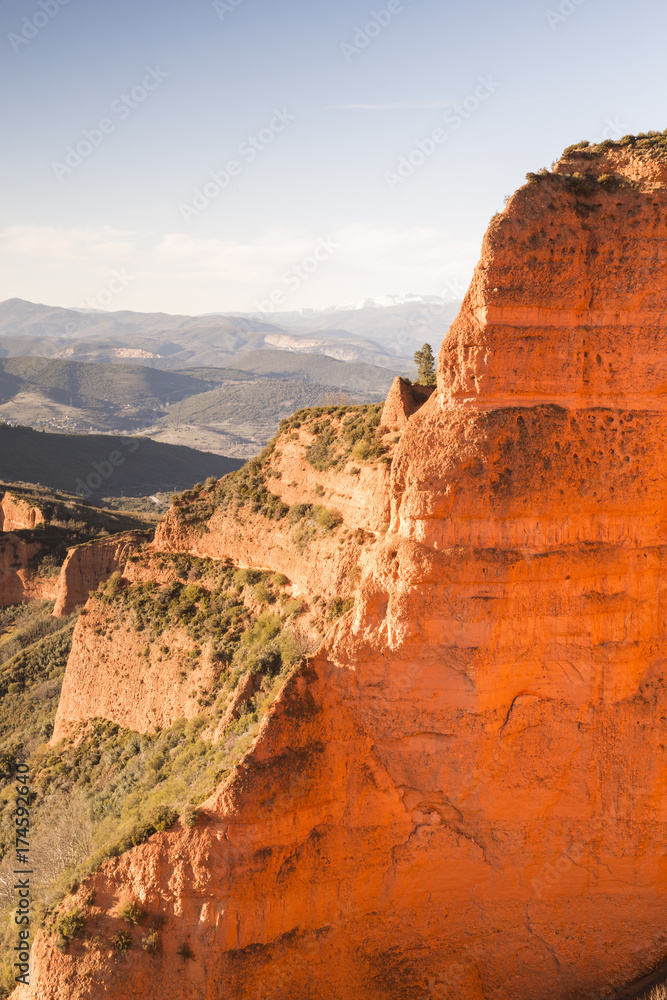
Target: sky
(191, 156)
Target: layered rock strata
(464, 793)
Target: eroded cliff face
(20, 579)
(318, 562)
(86, 566)
(464, 793)
(16, 513)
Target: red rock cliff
(19, 577)
(464, 794)
(86, 566)
(17, 514)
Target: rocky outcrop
(16, 514)
(325, 563)
(20, 579)
(404, 399)
(86, 566)
(464, 793)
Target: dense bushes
(650, 141)
(68, 926)
(345, 432)
(339, 432)
(245, 488)
(581, 184)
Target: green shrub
(189, 816)
(294, 606)
(152, 942)
(339, 607)
(263, 595)
(298, 511)
(122, 941)
(327, 518)
(246, 577)
(131, 912)
(69, 926)
(280, 580)
(114, 584)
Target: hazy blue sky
(329, 111)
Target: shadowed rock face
(464, 794)
(403, 401)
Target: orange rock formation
(17, 514)
(86, 566)
(403, 400)
(19, 578)
(464, 793)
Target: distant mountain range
(377, 334)
(217, 383)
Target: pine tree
(425, 366)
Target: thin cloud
(396, 106)
(74, 243)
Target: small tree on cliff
(425, 366)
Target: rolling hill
(100, 466)
(382, 335)
(228, 411)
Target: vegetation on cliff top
(654, 142)
(338, 434)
